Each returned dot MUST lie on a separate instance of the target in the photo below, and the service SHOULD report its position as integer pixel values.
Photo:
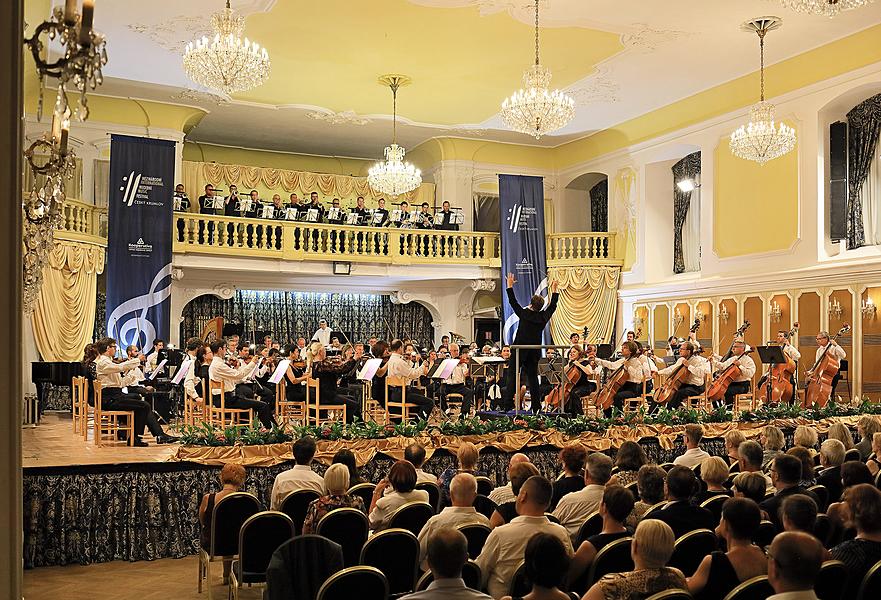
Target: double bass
(819, 387)
(677, 377)
(779, 378)
(727, 376)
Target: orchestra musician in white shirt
(834, 350)
(220, 371)
(740, 358)
(698, 369)
(322, 335)
(637, 372)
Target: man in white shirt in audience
(574, 508)
(503, 494)
(693, 454)
(503, 551)
(794, 562)
(447, 553)
(415, 455)
(463, 491)
(301, 477)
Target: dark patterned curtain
(289, 315)
(687, 168)
(100, 316)
(863, 129)
(599, 206)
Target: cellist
(636, 373)
(747, 365)
(698, 369)
(835, 351)
(581, 385)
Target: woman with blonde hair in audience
(806, 437)
(629, 460)
(808, 475)
(874, 460)
(232, 478)
(336, 482)
(753, 486)
(721, 572)
(651, 549)
(467, 455)
(402, 479)
(650, 484)
(733, 439)
(714, 472)
(867, 426)
(840, 432)
(772, 444)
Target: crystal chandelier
(393, 176)
(761, 139)
(226, 63)
(826, 8)
(534, 109)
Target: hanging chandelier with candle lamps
(826, 8)
(227, 63)
(762, 139)
(393, 176)
(535, 109)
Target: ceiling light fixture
(393, 176)
(761, 139)
(227, 63)
(534, 109)
(826, 8)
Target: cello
(819, 387)
(780, 378)
(572, 375)
(606, 396)
(677, 377)
(725, 377)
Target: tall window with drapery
(599, 206)
(686, 214)
(864, 174)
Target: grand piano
(55, 373)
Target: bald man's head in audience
(794, 561)
(534, 497)
(463, 489)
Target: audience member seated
(806, 437)
(794, 562)
(232, 478)
(546, 562)
(693, 455)
(874, 460)
(831, 459)
(505, 493)
(573, 458)
(415, 455)
(785, 474)
(467, 455)
(507, 511)
(347, 457)
(679, 513)
(733, 439)
(721, 572)
(651, 549)
(840, 432)
(750, 460)
(463, 491)
(650, 484)
(629, 461)
(616, 505)
(447, 553)
(772, 445)
(301, 477)
(714, 472)
(336, 482)
(402, 479)
(575, 507)
(867, 427)
(808, 475)
(503, 551)
(852, 473)
(753, 486)
(799, 513)
(862, 512)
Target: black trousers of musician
(115, 399)
(424, 404)
(736, 387)
(457, 388)
(631, 389)
(263, 410)
(338, 397)
(261, 392)
(573, 405)
(684, 392)
(528, 367)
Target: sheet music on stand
(445, 369)
(376, 217)
(182, 371)
(333, 213)
(457, 217)
(396, 215)
(245, 205)
(178, 202)
(279, 372)
(485, 366)
(312, 215)
(268, 211)
(218, 203)
(552, 369)
(353, 218)
(158, 369)
(290, 214)
(414, 216)
(368, 371)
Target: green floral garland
(205, 434)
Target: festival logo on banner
(139, 240)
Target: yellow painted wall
(278, 160)
(755, 207)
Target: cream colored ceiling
(618, 58)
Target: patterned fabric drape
(588, 297)
(625, 197)
(863, 129)
(289, 315)
(599, 206)
(64, 313)
(687, 168)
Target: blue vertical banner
(139, 238)
(521, 203)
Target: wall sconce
(699, 315)
(638, 321)
(868, 309)
(835, 310)
(776, 313)
(677, 319)
(723, 314)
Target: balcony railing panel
(581, 248)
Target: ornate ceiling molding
(599, 88)
(202, 97)
(645, 39)
(488, 285)
(347, 117)
(176, 32)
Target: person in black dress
(582, 385)
(327, 372)
(573, 459)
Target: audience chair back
(674, 594)
(757, 588)
(633, 486)
(476, 535)
(433, 493)
(667, 466)
(519, 583)
(765, 534)
(484, 505)
(690, 549)
(613, 558)
(411, 516)
(364, 491)
(296, 504)
(300, 567)
(714, 505)
(550, 517)
(484, 485)
(349, 528)
(470, 574)
(363, 583)
(259, 538)
(230, 514)
(395, 552)
(592, 525)
(830, 580)
(823, 529)
(822, 494)
(870, 588)
(852, 454)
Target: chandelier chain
(536, 34)
(762, 64)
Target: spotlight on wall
(687, 185)
(342, 268)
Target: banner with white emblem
(139, 240)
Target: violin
(819, 387)
(727, 376)
(677, 377)
(780, 378)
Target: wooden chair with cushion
(411, 516)
(261, 534)
(349, 528)
(747, 401)
(362, 582)
(222, 415)
(194, 410)
(288, 412)
(756, 588)
(229, 514)
(830, 580)
(296, 504)
(454, 403)
(109, 424)
(314, 407)
(701, 402)
(395, 552)
(690, 549)
(79, 388)
(401, 407)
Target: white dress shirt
(502, 494)
(790, 351)
(698, 369)
(190, 378)
(637, 370)
(110, 373)
(423, 477)
(692, 458)
(398, 367)
(503, 551)
(574, 508)
(322, 336)
(301, 477)
(835, 351)
(218, 370)
(747, 366)
(451, 516)
(460, 372)
(385, 506)
(133, 377)
(799, 595)
(447, 589)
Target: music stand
(772, 355)
(604, 351)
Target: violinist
(377, 390)
(398, 366)
(834, 351)
(698, 369)
(222, 371)
(738, 358)
(455, 384)
(327, 371)
(349, 382)
(249, 387)
(578, 372)
(295, 376)
(673, 346)
(636, 373)
(192, 381)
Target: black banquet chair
(852, 454)
(433, 493)
(765, 534)
(296, 504)
(259, 538)
(592, 525)
(484, 485)
(411, 516)
(823, 529)
(395, 552)
(349, 528)
(830, 580)
(714, 505)
(229, 514)
(363, 491)
(362, 582)
(822, 494)
(674, 594)
(870, 588)
(300, 566)
(756, 588)
(520, 585)
(484, 505)
(470, 575)
(690, 549)
(476, 535)
(613, 558)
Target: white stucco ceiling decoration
(175, 33)
(596, 89)
(347, 117)
(201, 97)
(644, 38)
